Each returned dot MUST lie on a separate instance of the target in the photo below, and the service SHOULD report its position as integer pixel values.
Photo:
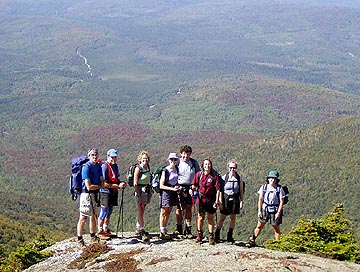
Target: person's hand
(259, 214)
(241, 205)
(122, 185)
(176, 188)
(277, 216)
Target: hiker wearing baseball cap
(109, 193)
(270, 206)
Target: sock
(106, 227)
(188, 224)
(100, 229)
(79, 238)
(163, 229)
(92, 234)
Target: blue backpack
(75, 182)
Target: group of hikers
(184, 184)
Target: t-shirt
(187, 171)
(113, 179)
(93, 173)
(270, 196)
(206, 184)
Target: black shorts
(231, 205)
(206, 206)
(109, 199)
(185, 196)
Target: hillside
(274, 85)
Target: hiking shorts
(185, 196)
(231, 205)
(109, 199)
(89, 204)
(168, 198)
(270, 217)
(206, 206)
(145, 194)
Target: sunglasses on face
(173, 159)
(232, 168)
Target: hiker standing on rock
(143, 193)
(188, 167)
(109, 194)
(270, 206)
(207, 183)
(169, 193)
(89, 198)
(231, 195)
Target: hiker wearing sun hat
(270, 206)
(169, 193)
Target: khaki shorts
(88, 204)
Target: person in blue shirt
(89, 198)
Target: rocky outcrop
(130, 254)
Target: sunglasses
(172, 159)
(232, 168)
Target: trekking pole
(179, 198)
(120, 213)
(195, 193)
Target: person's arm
(281, 206)
(195, 183)
(260, 202)
(136, 181)
(241, 193)
(86, 174)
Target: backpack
(75, 181)
(237, 178)
(130, 174)
(286, 191)
(155, 181)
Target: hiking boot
(199, 237)
(110, 232)
(230, 237)
(81, 244)
(187, 233)
(211, 239)
(164, 236)
(144, 236)
(137, 231)
(179, 230)
(103, 235)
(251, 242)
(95, 240)
(217, 235)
